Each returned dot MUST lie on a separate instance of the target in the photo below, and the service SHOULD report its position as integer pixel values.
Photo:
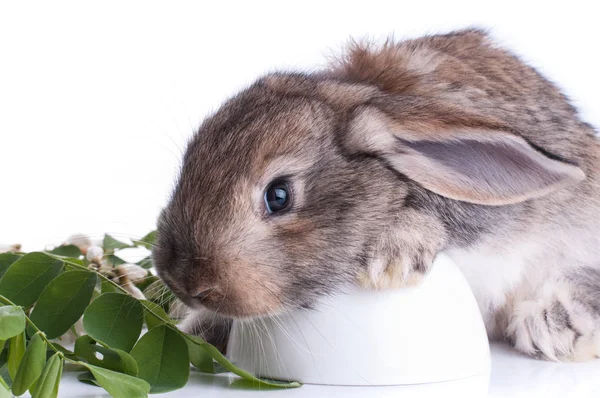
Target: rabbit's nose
(208, 294)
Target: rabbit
(362, 172)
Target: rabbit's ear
(470, 161)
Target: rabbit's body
(445, 143)
(522, 258)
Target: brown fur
(341, 138)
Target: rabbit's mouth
(245, 304)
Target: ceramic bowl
(424, 334)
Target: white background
(98, 99)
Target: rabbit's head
(303, 183)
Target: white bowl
(430, 333)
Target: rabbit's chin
(239, 311)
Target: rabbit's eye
(278, 197)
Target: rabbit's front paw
(555, 328)
(386, 274)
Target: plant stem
(83, 267)
(9, 302)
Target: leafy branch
(45, 296)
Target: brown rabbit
(362, 173)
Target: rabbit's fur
(395, 153)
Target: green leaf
(114, 319)
(107, 287)
(112, 359)
(67, 353)
(63, 302)
(200, 358)
(12, 321)
(87, 378)
(154, 314)
(245, 384)
(114, 260)
(4, 389)
(5, 376)
(31, 366)
(16, 350)
(6, 260)
(3, 363)
(146, 262)
(28, 276)
(66, 251)
(220, 358)
(146, 282)
(70, 261)
(163, 358)
(47, 385)
(110, 244)
(118, 385)
(147, 241)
